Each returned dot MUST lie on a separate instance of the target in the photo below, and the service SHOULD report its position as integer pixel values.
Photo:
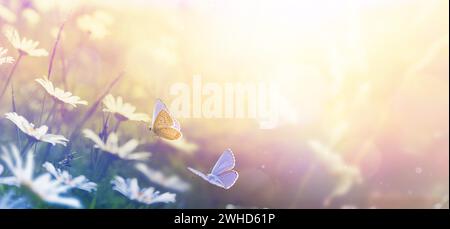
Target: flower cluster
(43, 186)
(130, 189)
(112, 147)
(54, 134)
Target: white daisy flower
(60, 95)
(131, 190)
(80, 182)
(24, 46)
(112, 146)
(38, 134)
(123, 111)
(4, 59)
(10, 201)
(43, 186)
(6, 180)
(171, 182)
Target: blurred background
(364, 121)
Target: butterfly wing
(198, 173)
(228, 178)
(164, 125)
(161, 116)
(169, 133)
(225, 163)
(176, 124)
(222, 174)
(159, 106)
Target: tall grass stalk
(95, 152)
(116, 127)
(94, 106)
(50, 67)
(108, 159)
(89, 114)
(8, 80)
(46, 154)
(51, 112)
(64, 69)
(10, 74)
(13, 104)
(29, 144)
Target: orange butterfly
(164, 124)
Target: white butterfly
(164, 124)
(222, 173)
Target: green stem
(91, 111)
(116, 127)
(64, 70)
(11, 73)
(108, 160)
(50, 67)
(42, 109)
(24, 149)
(47, 153)
(55, 46)
(50, 113)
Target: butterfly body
(222, 174)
